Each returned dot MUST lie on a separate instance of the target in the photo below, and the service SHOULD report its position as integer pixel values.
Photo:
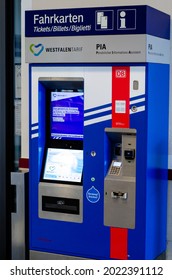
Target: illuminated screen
(63, 165)
(66, 109)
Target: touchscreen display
(63, 165)
(66, 109)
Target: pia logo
(36, 50)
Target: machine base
(36, 255)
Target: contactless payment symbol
(36, 49)
(93, 195)
(104, 20)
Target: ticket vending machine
(98, 145)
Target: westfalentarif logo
(36, 50)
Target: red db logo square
(120, 73)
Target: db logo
(120, 73)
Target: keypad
(115, 170)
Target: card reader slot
(60, 205)
(122, 195)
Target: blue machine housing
(91, 238)
(152, 149)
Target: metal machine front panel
(120, 182)
(61, 202)
(119, 203)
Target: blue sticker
(93, 195)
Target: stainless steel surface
(116, 133)
(64, 191)
(120, 182)
(119, 212)
(18, 219)
(36, 255)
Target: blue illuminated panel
(66, 109)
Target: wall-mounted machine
(98, 133)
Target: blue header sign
(97, 35)
(96, 21)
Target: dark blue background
(148, 21)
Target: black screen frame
(61, 144)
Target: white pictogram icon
(102, 20)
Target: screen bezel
(61, 144)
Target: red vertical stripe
(120, 118)
(120, 95)
(119, 243)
